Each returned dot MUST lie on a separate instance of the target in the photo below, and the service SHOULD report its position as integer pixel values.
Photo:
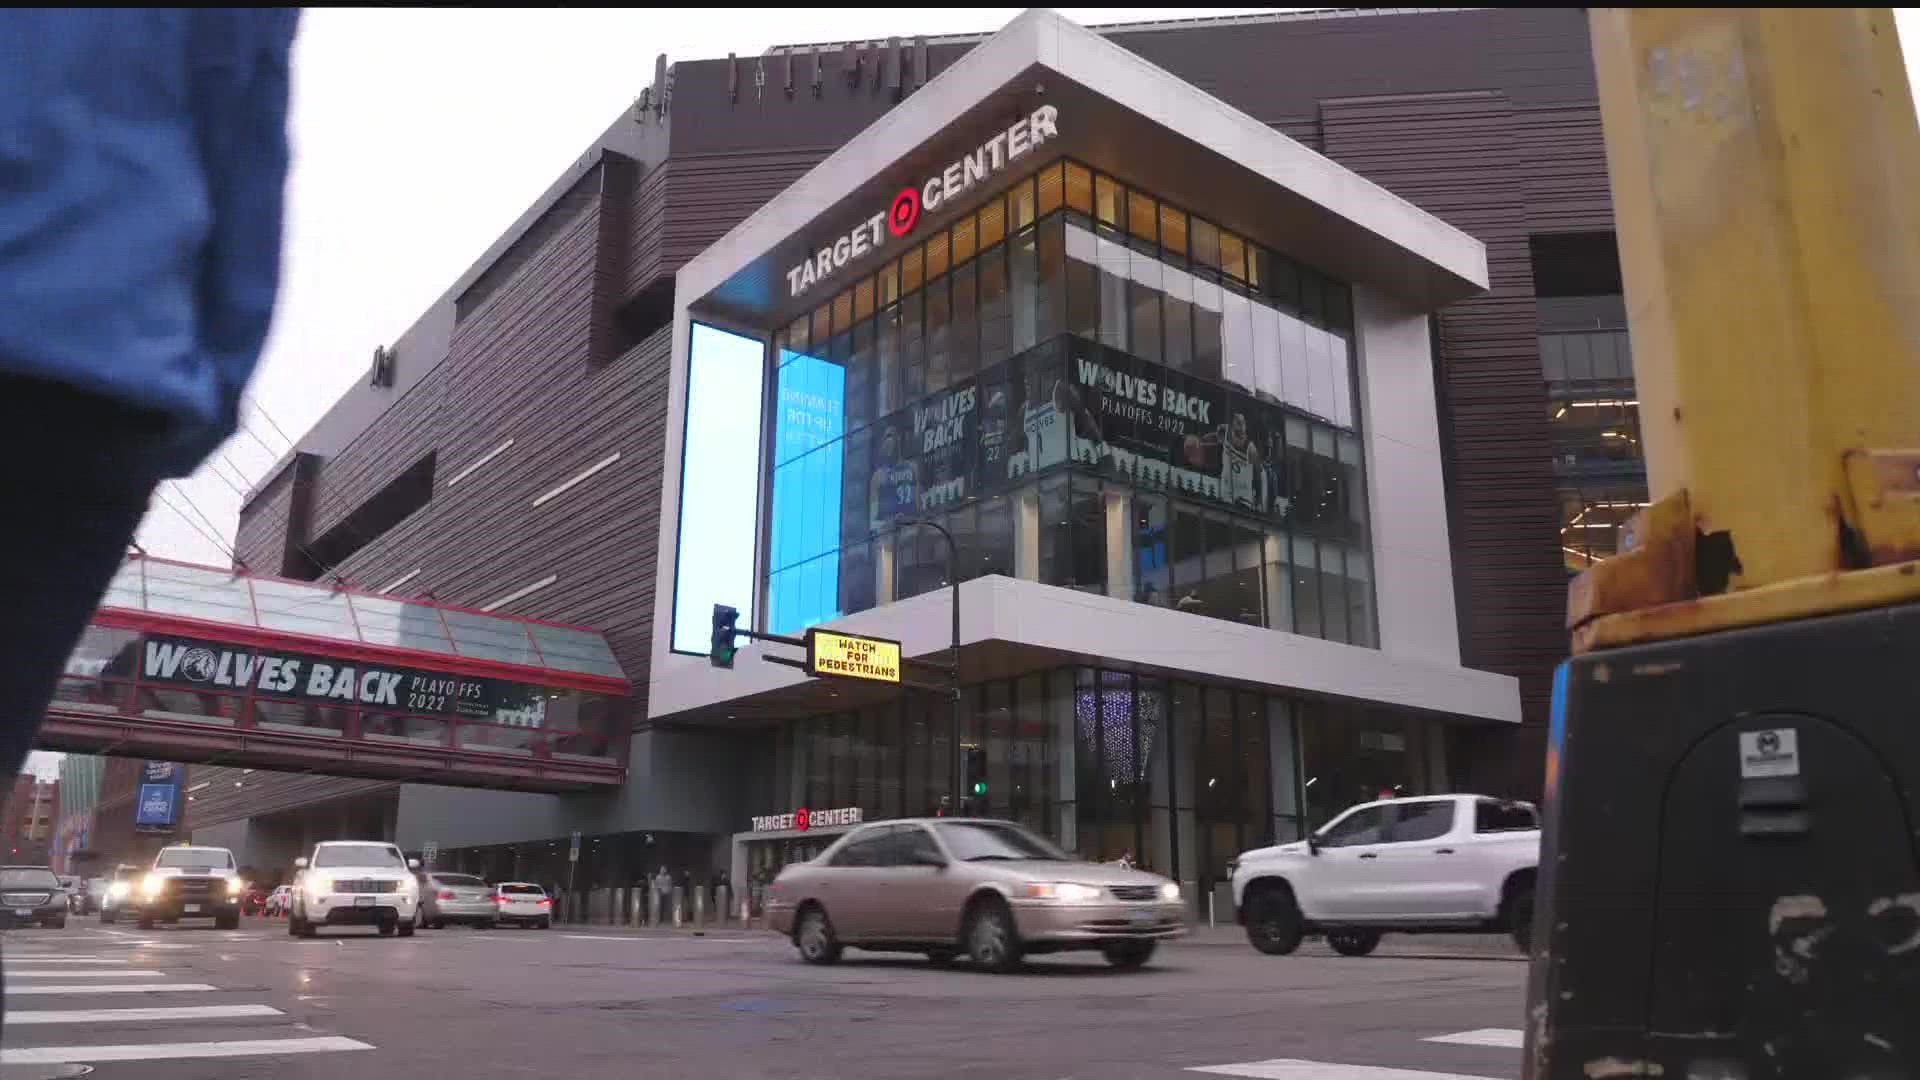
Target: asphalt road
(471, 1005)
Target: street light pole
(953, 579)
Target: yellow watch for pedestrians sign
(846, 656)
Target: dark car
(31, 894)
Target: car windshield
(983, 841)
(457, 879)
(358, 855)
(195, 859)
(28, 877)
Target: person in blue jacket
(143, 156)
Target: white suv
(1447, 863)
(354, 883)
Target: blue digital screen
(809, 450)
(719, 484)
(158, 806)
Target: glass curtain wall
(1090, 388)
(1179, 775)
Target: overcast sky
(419, 135)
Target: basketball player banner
(1157, 427)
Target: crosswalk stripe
(123, 1016)
(55, 1055)
(133, 974)
(1294, 1069)
(117, 988)
(1505, 1038)
(29, 958)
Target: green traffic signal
(980, 787)
(722, 650)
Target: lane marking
(57, 1055)
(1295, 1069)
(1505, 1038)
(121, 1016)
(61, 958)
(59, 974)
(595, 937)
(129, 988)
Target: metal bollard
(653, 907)
(722, 904)
(699, 905)
(679, 905)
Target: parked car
(32, 895)
(354, 883)
(190, 882)
(254, 901)
(990, 889)
(276, 903)
(1449, 863)
(521, 903)
(457, 898)
(126, 877)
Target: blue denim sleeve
(239, 92)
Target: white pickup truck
(1444, 863)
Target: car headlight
(152, 885)
(1169, 891)
(235, 886)
(318, 884)
(1065, 892)
(118, 890)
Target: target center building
(1164, 376)
(1171, 380)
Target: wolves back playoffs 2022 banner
(1074, 400)
(195, 664)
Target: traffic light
(723, 619)
(976, 778)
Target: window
(187, 858)
(1422, 821)
(381, 855)
(865, 848)
(467, 880)
(914, 846)
(1364, 826)
(1499, 817)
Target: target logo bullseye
(905, 212)
(800, 821)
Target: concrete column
(1119, 516)
(884, 554)
(1026, 535)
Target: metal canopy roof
(243, 600)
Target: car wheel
(1129, 955)
(106, 918)
(227, 922)
(1520, 916)
(814, 937)
(942, 957)
(405, 929)
(388, 926)
(546, 923)
(1273, 922)
(1353, 942)
(144, 922)
(991, 941)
